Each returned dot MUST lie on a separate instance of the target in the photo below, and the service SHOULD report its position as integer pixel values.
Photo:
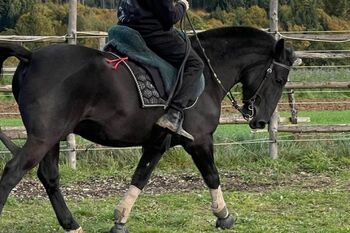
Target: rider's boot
(172, 120)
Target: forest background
(50, 17)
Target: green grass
(286, 209)
(14, 122)
(328, 117)
(328, 157)
(290, 207)
(330, 74)
(324, 74)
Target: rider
(154, 20)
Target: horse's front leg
(147, 163)
(202, 154)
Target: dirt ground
(109, 186)
(186, 182)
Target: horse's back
(59, 82)
(73, 88)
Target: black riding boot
(172, 120)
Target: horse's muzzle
(254, 124)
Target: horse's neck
(225, 74)
(228, 70)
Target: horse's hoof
(119, 228)
(225, 223)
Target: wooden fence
(275, 127)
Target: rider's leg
(171, 47)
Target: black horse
(63, 89)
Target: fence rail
(339, 128)
(331, 37)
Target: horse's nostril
(261, 124)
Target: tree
(256, 17)
(284, 15)
(38, 21)
(337, 8)
(305, 13)
(11, 10)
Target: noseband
(251, 101)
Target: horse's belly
(116, 135)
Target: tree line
(50, 17)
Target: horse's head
(263, 83)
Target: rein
(251, 101)
(229, 94)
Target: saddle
(155, 78)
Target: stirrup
(184, 133)
(173, 122)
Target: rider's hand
(185, 3)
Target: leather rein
(234, 102)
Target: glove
(185, 3)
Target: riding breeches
(170, 46)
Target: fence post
(72, 154)
(273, 126)
(72, 32)
(72, 22)
(101, 43)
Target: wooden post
(273, 126)
(72, 22)
(292, 106)
(72, 32)
(72, 155)
(102, 43)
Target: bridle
(250, 101)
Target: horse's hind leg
(49, 176)
(202, 155)
(28, 157)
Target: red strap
(116, 62)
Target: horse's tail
(12, 147)
(8, 50)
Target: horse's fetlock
(221, 213)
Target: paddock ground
(304, 202)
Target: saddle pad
(149, 95)
(145, 87)
(129, 42)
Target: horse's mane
(237, 32)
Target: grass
(324, 74)
(292, 207)
(305, 205)
(287, 209)
(329, 157)
(325, 117)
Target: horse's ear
(279, 52)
